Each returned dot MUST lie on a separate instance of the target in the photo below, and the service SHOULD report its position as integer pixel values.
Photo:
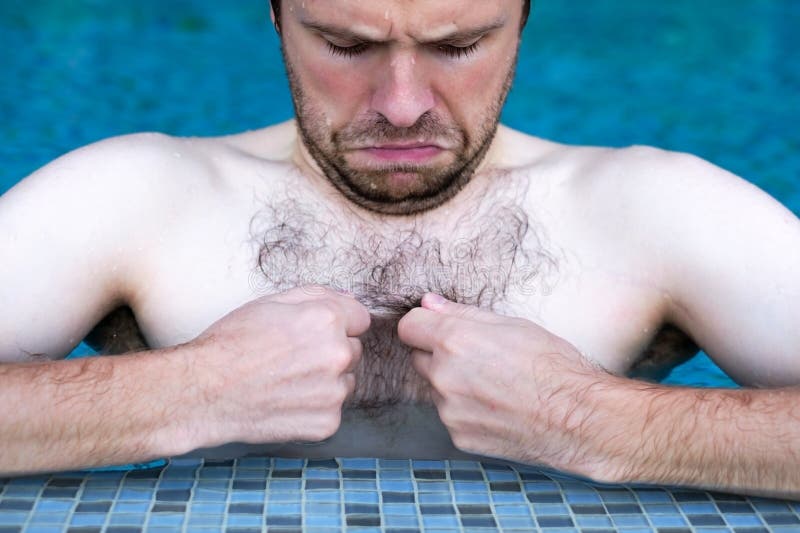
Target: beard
(428, 185)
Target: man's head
(398, 101)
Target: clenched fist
(504, 387)
(277, 369)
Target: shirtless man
(287, 283)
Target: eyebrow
(350, 35)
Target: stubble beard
(367, 188)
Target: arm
(97, 411)
(68, 237)
(729, 255)
(239, 381)
(506, 387)
(744, 441)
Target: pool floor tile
(440, 498)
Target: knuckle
(318, 314)
(460, 440)
(340, 357)
(339, 395)
(447, 416)
(330, 424)
(451, 339)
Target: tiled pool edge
(254, 493)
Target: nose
(403, 94)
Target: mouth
(399, 152)
(415, 153)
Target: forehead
(391, 19)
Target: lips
(404, 152)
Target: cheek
(341, 92)
(471, 93)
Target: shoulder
(117, 165)
(683, 198)
(646, 189)
(111, 197)
(723, 252)
(147, 171)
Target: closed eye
(347, 51)
(458, 52)
(450, 50)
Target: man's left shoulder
(724, 252)
(682, 190)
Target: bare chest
(495, 256)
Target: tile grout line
(107, 522)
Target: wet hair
(276, 8)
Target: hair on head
(276, 8)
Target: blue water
(718, 79)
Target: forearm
(97, 411)
(737, 440)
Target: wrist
(190, 383)
(603, 440)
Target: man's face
(398, 101)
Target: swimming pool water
(718, 79)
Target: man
(394, 273)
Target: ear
(274, 18)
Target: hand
(504, 387)
(278, 368)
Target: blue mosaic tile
(284, 508)
(88, 519)
(397, 486)
(319, 496)
(400, 509)
(49, 518)
(322, 520)
(665, 520)
(506, 497)
(515, 510)
(206, 520)
(359, 463)
(468, 486)
(630, 520)
(434, 497)
(245, 520)
(397, 521)
(743, 520)
(367, 496)
(312, 508)
(593, 521)
(440, 520)
(12, 518)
